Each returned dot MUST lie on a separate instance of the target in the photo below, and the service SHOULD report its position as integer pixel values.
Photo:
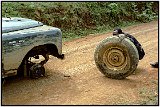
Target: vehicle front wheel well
(36, 50)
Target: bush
(79, 16)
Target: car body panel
(15, 23)
(17, 42)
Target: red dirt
(77, 81)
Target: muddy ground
(77, 81)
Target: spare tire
(116, 57)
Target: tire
(37, 71)
(116, 57)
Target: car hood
(15, 23)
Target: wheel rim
(115, 58)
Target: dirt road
(77, 81)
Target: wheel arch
(21, 71)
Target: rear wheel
(116, 57)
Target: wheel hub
(115, 58)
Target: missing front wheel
(36, 71)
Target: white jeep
(24, 40)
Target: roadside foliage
(82, 18)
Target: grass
(149, 96)
(78, 19)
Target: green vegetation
(149, 96)
(77, 19)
